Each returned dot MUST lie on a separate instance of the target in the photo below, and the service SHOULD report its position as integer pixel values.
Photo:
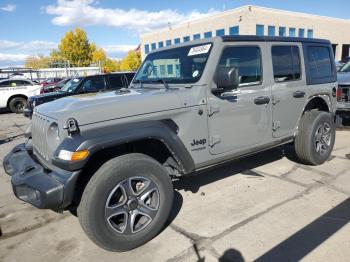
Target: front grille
(40, 125)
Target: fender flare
(110, 136)
(324, 97)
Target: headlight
(73, 156)
(53, 132)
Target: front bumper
(28, 112)
(343, 106)
(34, 184)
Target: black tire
(312, 148)
(103, 187)
(17, 104)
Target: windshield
(345, 68)
(177, 65)
(71, 85)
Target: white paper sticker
(195, 73)
(202, 49)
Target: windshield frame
(174, 80)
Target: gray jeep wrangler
(111, 156)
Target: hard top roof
(241, 38)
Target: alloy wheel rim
(323, 138)
(19, 106)
(132, 205)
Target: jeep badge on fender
(201, 142)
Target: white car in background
(15, 92)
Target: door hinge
(276, 125)
(212, 110)
(214, 140)
(275, 100)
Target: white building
(254, 20)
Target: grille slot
(40, 125)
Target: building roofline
(241, 38)
(298, 13)
(247, 7)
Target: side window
(21, 83)
(116, 81)
(27, 83)
(129, 77)
(319, 64)
(286, 63)
(94, 84)
(247, 60)
(14, 83)
(5, 84)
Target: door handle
(261, 100)
(298, 94)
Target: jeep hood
(95, 107)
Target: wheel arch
(320, 102)
(315, 102)
(162, 133)
(122, 136)
(157, 139)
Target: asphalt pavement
(265, 208)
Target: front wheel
(126, 203)
(17, 104)
(315, 139)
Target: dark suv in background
(81, 85)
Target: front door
(241, 118)
(288, 89)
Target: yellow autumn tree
(131, 61)
(111, 65)
(75, 48)
(36, 62)
(97, 54)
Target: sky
(33, 27)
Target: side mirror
(227, 77)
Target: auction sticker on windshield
(197, 50)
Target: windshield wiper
(160, 80)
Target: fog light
(73, 156)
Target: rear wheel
(126, 203)
(17, 104)
(315, 140)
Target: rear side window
(286, 63)
(116, 81)
(95, 84)
(247, 60)
(319, 65)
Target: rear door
(289, 87)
